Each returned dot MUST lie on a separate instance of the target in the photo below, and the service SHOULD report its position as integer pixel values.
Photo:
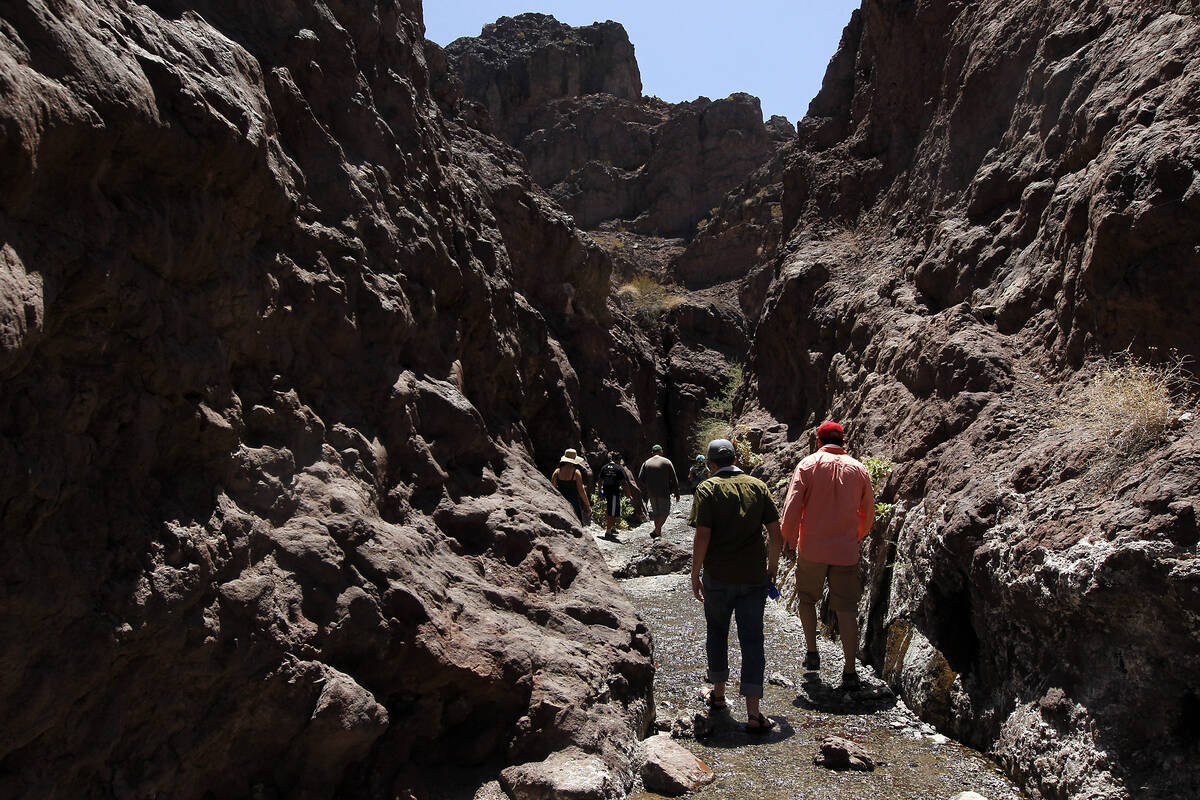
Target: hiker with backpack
(614, 480)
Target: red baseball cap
(830, 430)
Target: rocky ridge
(570, 100)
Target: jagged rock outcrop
(276, 387)
(519, 65)
(961, 245)
(570, 100)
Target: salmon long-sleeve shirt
(829, 507)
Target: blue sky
(775, 49)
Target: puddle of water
(912, 761)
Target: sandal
(762, 724)
(713, 701)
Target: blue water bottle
(773, 591)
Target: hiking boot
(812, 661)
(850, 681)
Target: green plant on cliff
(716, 422)
(879, 469)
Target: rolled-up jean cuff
(718, 677)
(751, 690)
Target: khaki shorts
(845, 584)
(660, 507)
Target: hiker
(636, 497)
(829, 508)
(613, 479)
(698, 471)
(657, 479)
(729, 514)
(568, 479)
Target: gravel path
(913, 761)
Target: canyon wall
(278, 387)
(984, 200)
(570, 99)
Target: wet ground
(913, 760)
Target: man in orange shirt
(828, 510)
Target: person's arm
(793, 512)
(774, 545)
(583, 493)
(674, 481)
(699, 550)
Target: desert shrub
(648, 298)
(599, 507)
(1131, 403)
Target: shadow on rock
(816, 695)
(660, 557)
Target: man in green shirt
(739, 563)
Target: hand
(697, 588)
(677, 497)
(789, 551)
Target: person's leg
(752, 601)
(748, 611)
(845, 588)
(808, 619)
(717, 612)
(848, 630)
(660, 508)
(810, 583)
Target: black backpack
(611, 475)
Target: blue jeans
(745, 602)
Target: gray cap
(720, 450)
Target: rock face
(518, 65)
(570, 100)
(277, 393)
(960, 246)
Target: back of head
(830, 433)
(721, 452)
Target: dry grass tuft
(1131, 403)
(646, 297)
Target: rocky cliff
(281, 360)
(985, 201)
(570, 100)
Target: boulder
(659, 557)
(841, 754)
(569, 774)
(670, 769)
